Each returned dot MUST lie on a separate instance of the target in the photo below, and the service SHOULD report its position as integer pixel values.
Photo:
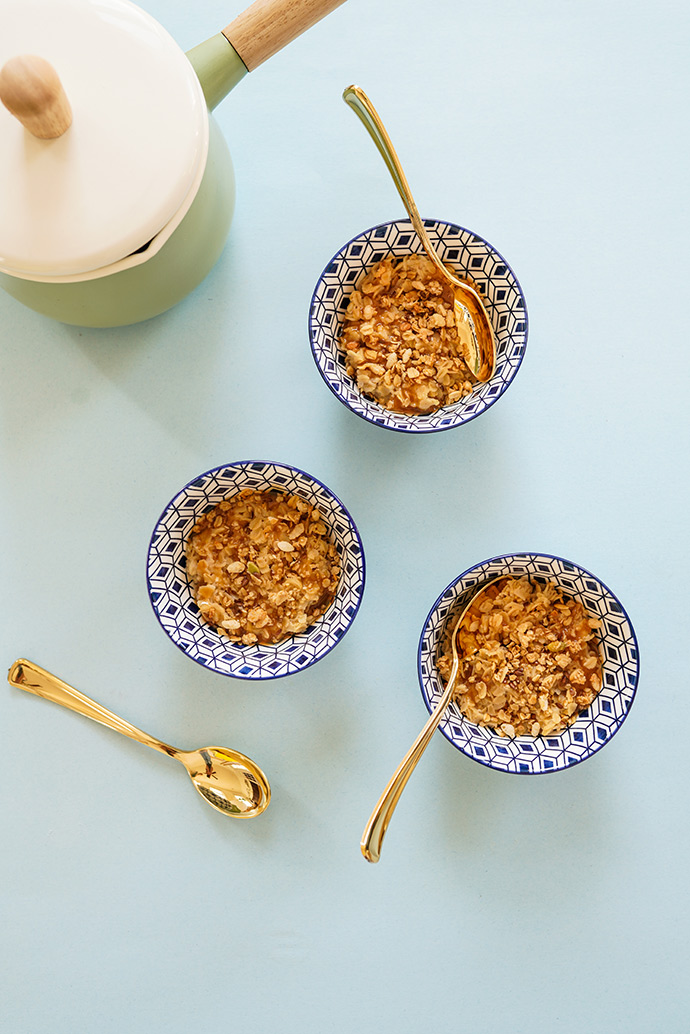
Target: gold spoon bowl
(227, 780)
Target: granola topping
(262, 566)
(529, 659)
(400, 337)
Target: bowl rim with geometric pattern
(471, 256)
(170, 594)
(594, 727)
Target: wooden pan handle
(30, 88)
(269, 25)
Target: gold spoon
(475, 331)
(373, 835)
(227, 780)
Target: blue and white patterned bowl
(171, 596)
(594, 727)
(470, 256)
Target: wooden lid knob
(31, 90)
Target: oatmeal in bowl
(255, 570)
(400, 338)
(262, 566)
(383, 331)
(548, 663)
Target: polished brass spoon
(227, 780)
(373, 835)
(476, 334)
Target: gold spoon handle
(375, 831)
(28, 676)
(362, 106)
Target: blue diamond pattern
(469, 255)
(594, 727)
(171, 597)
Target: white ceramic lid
(131, 161)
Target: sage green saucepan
(116, 185)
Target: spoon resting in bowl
(475, 332)
(372, 838)
(227, 780)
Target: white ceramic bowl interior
(470, 256)
(171, 596)
(594, 727)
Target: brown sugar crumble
(529, 659)
(262, 566)
(400, 337)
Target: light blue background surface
(558, 131)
